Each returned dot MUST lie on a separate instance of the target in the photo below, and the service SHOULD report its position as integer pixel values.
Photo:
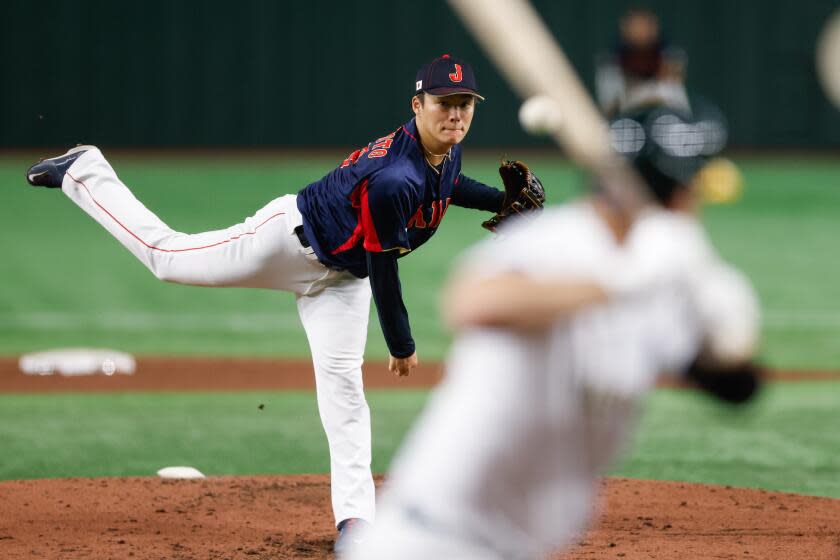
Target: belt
(301, 235)
(304, 241)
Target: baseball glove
(523, 193)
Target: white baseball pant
(261, 252)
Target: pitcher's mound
(278, 517)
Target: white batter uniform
(503, 463)
(261, 252)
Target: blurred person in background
(643, 70)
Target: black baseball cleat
(50, 172)
(348, 534)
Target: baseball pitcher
(332, 245)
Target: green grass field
(67, 283)
(80, 287)
(781, 443)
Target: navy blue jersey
(384, 201)
(383, 197)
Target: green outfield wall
(276, 73)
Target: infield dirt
(261, 518)
(167, 373)
(281, 517)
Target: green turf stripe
(783, 442)
(66, 282)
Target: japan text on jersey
(383, 197)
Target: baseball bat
(516, 39)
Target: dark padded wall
(275, 73)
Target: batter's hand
(401, 366)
